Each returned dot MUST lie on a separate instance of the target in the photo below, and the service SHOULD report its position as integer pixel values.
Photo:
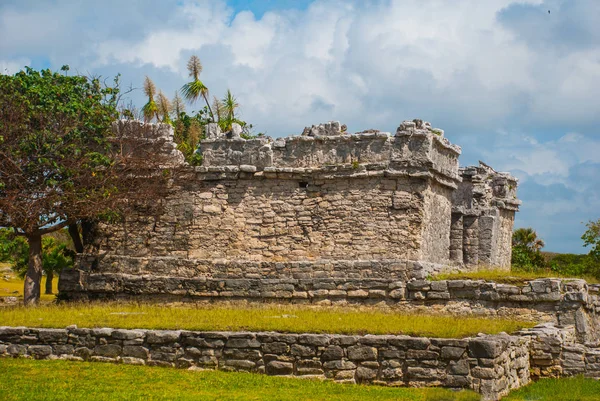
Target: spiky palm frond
(193, 90)
(527, 237)
(194, 67)
(164, 107)
(149, 88)
(230, 104)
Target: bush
(569, 264)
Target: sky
(514, 83)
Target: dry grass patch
(12, 286)
(291, 319)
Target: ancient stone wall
(569, 302)
(555, 351)
(366, 205)
(491, 365)
(484, 204)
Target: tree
(60, 163)
(150, 109)
(230, 104)
(56, 254)
(591, 238)
(193, 90)
(527, 237)
(526, 248)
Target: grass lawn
(24, 379)
(293, 319)
(507, 277)
(13, 287)
(571, 389)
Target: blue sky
(514, 85)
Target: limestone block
(362, 353)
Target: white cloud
(515, 86)
(13, 66)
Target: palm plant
(527, 237)
(150, 109)
(230, 104)
(164, 107)
(192, 90)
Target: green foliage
(56, 132)
(527, 258)
(526, 254)
(56, 252)
(572, 265)
(591, 238)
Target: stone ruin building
(330, 218)
(325, 214)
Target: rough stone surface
(385, 360)
(323, 205)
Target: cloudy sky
(515, 85)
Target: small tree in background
(591, 238)
(526, 249)
(57, 254)
(61, 164)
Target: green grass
(13, 287)
(506, 277)
(24, 379)
(569, 389)
(293, 319)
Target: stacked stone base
(491, 365)
(565, 302)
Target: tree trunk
(74, 233)
(33, 277)
(49, 278)
(209, 109)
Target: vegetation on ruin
(60, 163)
(25, 379)
(565, 389)
(189, 128)
(291, 319)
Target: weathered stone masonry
(332, 205)
(491, 365)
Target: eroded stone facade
(369, 205)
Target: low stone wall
(565, 302)
(491, 365)
(555, 352)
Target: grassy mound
(293, 319)
(24, 379)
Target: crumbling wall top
(415, 149)
(483, 187)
